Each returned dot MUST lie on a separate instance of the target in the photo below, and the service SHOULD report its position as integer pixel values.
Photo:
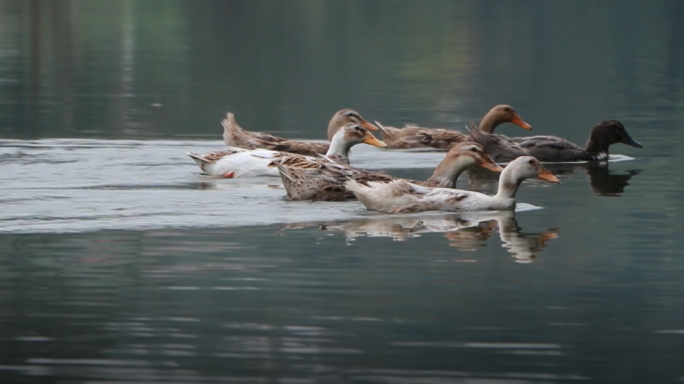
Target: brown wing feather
(441, 138)
(300, 162)
(394, 137)
(500, 148)
(413, 136)
(299, 147)
(217, 155)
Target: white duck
(238, 162)
(401, 196)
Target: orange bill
(546, 175)
(368, 125)
(371, 140)
(520, 123)
(544, 237)
(488, 163)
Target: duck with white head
(401, 196)
(238, 162)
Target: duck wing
(299, 147)
(397, 138)
(500, 148)
(412, 136)
(438, 199)
(553, 149)
(438, 138)
(323, 179)
(317, 179)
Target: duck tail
(354, 186)
(199, 159)
(475, 134)
(231, 129)
(388, 133)
(285, 173)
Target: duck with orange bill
(323, 179)
(554, 149)
(238, 162)
(236, 136)
(419, 137)
(401, 196)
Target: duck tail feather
(476, 135)
(354, 186)
(284, 171)
(199, 159)
(388, 133)
(230, 128)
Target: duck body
(554, 148)
(412, 136)
(238, 162)
(311, 148)
(236, 136)
(315, 180)
(402, 196)
(500, 148)
(323, 179)
(439, 138)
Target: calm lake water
(119, 263)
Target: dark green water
(120, 264)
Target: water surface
(120, 263)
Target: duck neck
(333, 127)
(508, 184)
(595, 146)
(339, 149)
(489, 122)
(447, 172)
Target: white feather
(403, 196)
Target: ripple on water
(85, 185)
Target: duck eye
(473, 149)
(531, 161)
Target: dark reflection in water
(606, 183)
(602, 180)
(226, 305)
(464, 231)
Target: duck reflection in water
(602, 180)
(465, 231)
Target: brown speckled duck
(419, 137)
(236, 136)
(554, 148)
(324, 180)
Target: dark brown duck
(554, 148)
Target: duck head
(344, 117)
(528, 167)
(350, 135)
(460, 158)
(607, 133)
(499, 115)
(523, 167)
